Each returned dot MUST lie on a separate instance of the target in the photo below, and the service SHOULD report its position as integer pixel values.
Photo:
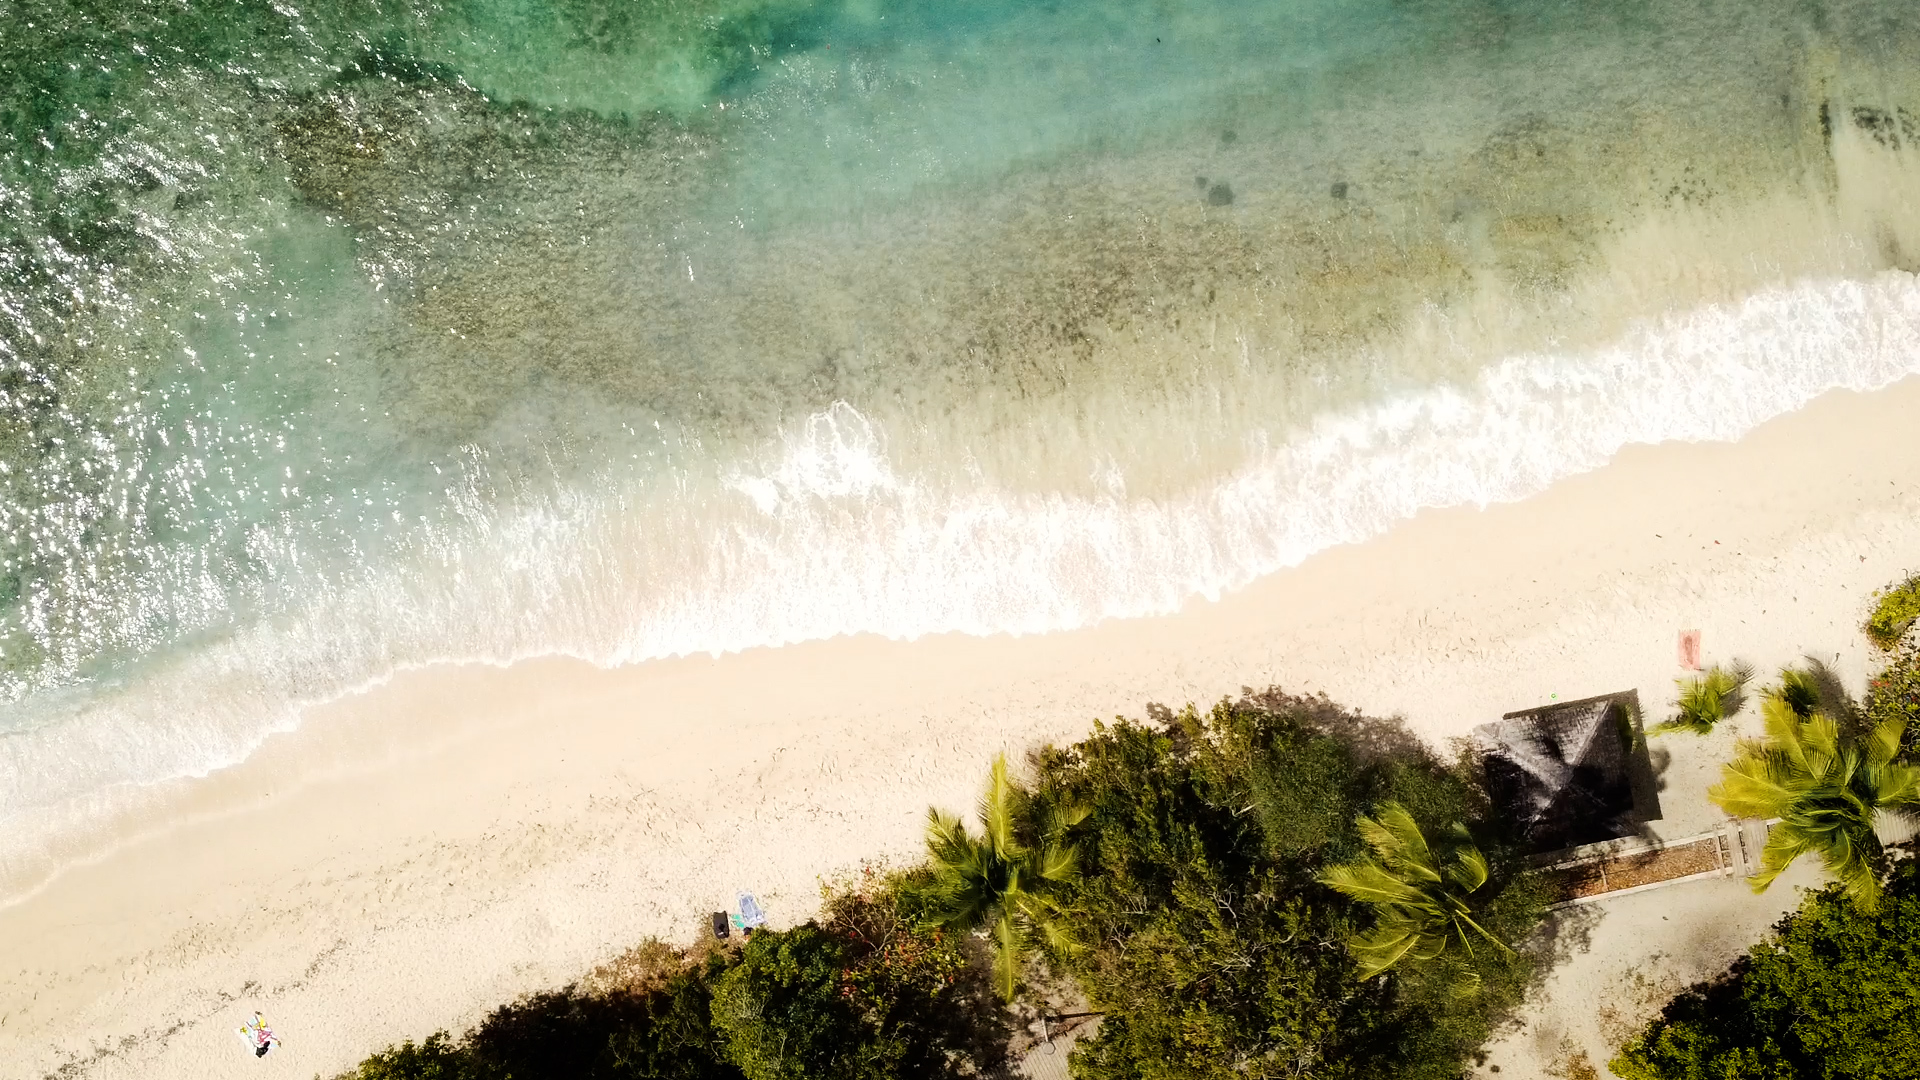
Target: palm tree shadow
(1831, 696)
(983, 1026)
(1564, 934)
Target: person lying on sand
(257, 1034)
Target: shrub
(1208, 943)
(1707, 699)
(866, 995)
(436, 1059)
(904, 972)
(782, 1015)
(1832, 994)
(1894, 693)
(1897, 610)
(569, 1035)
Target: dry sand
(417, 853)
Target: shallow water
(340, 338)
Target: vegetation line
(1275, 887)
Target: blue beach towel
(750, 913)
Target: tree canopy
(1210, 944)
(1897, 609)
(1422, 900)
(1001, 879)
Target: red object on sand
(1690, 650)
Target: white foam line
(825, 537)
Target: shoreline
(416, 854)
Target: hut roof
(1560, 773)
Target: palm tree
(1419, 905)
(1709, 699)
(998, 881)
(1827, 786)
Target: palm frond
(1883, 742)
(1784, 733)
(1898, 788)
(1799, 691)
(1855, 867)
(1383, 947)
(1419, 912)
(1397, 839)
(1469, 870)
(1043, 917)
(947, 839)
(996, 880)
(1007, 945)
(1058, 937)
(959, 902)
(1825, 781)
(1058, 864)
(1061, 818)
(1370, 883)
(998, 807)
(1784, 845)
(1758, 783)
(1482, 931)
(1820, 742)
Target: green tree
(1708, 699)
(1827, 786)
(1833, 994)
(674, 1039)
(569, 1034)
(1207, 942)
(904, 975)
(1000, 881)
(1419, 899)
(872, 994)
(782, 1015)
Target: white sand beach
(420, 852)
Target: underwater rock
(1220, 195)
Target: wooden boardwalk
(1601, 871)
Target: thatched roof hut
(1560, 773)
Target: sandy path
(418, 853)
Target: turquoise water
(341, 337)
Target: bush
(1897, 610)
(436, 1059)
(1206, 940)
(867, 995)
(783, 1016)
(1833, 994)
(1894, 693)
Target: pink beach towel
(1690, 650)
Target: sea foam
(823, 534)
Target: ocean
(343, 336)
